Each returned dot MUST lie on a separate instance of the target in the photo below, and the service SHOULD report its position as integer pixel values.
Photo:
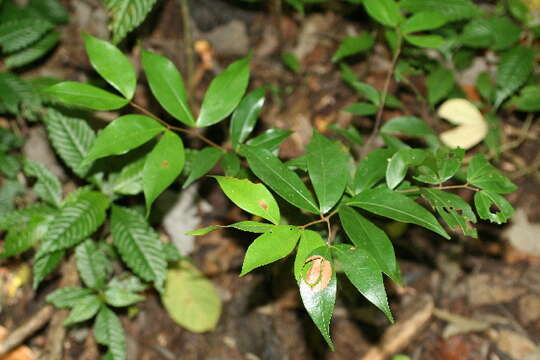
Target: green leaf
(45, 264)
(384, 11)
(270, 246)
(396, 206)
(365, 275)
(128, 282)
(270, 139)
(163, 165)
(453, 10)
(529, 99)
(505, 32)
(198, 309)
(400, 163)
(119, 297)
(123, 134)
(407, 125)
(362, 109)
(83, 310)
(167, 85)
(92, 264)
(350, 133)
(440, 83)
(76, 221)
(291, 61)
(86, 95)
(352, 45)
(52, 10)
(34, 52)
(485, 86)
(368, 91)
(126, 15)
(484, 175)
(130, 179)
(72, 139)
(328, 170)
(519, 10)
(486, 200)
(225, 92)
(109, 332)
(47, 186)
(279, 178)
(309, 241)
(366, 236)
(252, 226)
(425, 41)
(319, 300)
(440, 166)
(18, 34)
(371, 170)
(22, 236)
(203, 162)
(67, 297)
(453, 209)
(423, 21)
(478, 33)
(250, 197)
(112, 65)
(139, 245)
(231, 164)
(171, 252)
(245, 116)
(514, 69)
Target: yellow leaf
(472, 128)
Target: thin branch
(447, 187)
(384, 94)
(321, 220)
(188, 46)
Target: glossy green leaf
(92, 264)
(492, 206)
(407, 125)
(204, 161)
(85, 95)
(44, 264)
(399, 164)
(75, 222)
(309, 241)
(425, 41)
(83, 310)
(364, 274)
(350, 133)
(270, 139)
(423, 21)
(109, 332)
(231, 164)
(270, 246)
(319, 300)
(167, 85)
(362, 109)
(455, 211)
(225, 92)
(139, 245)
(118, 297)
(250, 226)
(366, 236)
(396, 206)
(506, 33)
(291, 61)
(250, 197)
(279, 178)
(368, 91)
(123, 134)
(515, 67)
(453, 10)
(478, 33)
(245, 116)
(485, 86)
(328, 170)
(352, 45)
(529, 99)
(440, 83)
(384, 11)
(484, 175)
(67, 297)
(163, 165)
(47, 186)
(371, 170)
(112, 65)
(198, 309)
(130, 179)
(440, 166)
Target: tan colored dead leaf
(22, 352)
(472, 128)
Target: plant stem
(192, 132)
(188, 46)
(384, 94)
(447, 187)
(325, 219)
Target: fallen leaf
(472, 128)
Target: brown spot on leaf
(319, 274)
(263, 204)
(165, 164)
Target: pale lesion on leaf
(319, 274)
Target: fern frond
(18, 34)
(127, 15)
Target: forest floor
(464, 299)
